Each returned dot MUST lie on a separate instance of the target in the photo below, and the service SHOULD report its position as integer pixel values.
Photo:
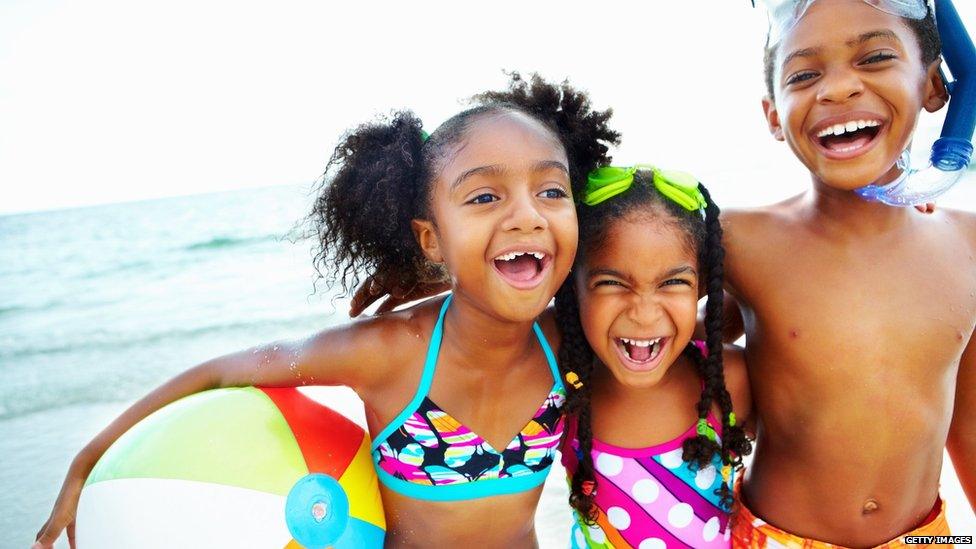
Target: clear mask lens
(784, 14)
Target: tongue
(522, 268)
(639, 354)
(846, 141)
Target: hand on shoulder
(737, 383)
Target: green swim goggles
(609, 181)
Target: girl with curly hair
(463, 398)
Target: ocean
(100, 304)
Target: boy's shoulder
(747, 228)
(964, 221)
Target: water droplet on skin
(275, 348)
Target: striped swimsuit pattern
(649, 498)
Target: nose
(644, 310)
(839, 85)
(525, 215)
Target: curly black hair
(704, 236)
(379, 178)
(925, 30)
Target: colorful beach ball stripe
(243, 467)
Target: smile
(640, 355)
(523, 269)
(842, 138)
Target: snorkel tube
(953, 151)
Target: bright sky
(110, 100)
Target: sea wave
(223, 242)
(116, 342)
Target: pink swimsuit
(648, 498)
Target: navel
(870, 506)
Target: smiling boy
(859, 316)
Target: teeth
(641, 342)
(852, 126)
(656, 348)
(513, 255)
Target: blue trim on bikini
(430, 364)
(468, 490)
(433, 349)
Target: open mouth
(523, 269)
(640, 354)
(848, 139)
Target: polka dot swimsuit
(648, 498)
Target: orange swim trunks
(749, 531)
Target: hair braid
(576, 356)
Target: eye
(676, 282)
(800, 77)
(606, 283)
(878, 57)
(554, 192)
(483, 198)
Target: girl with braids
(654, 435)
(463, 397)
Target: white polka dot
(710, 530)
(596, 534)
(609, 465)
(728, 533)
(645, 490)
(680, 515)
(672, 459)
(705, 477)
(578, 535)
(652, 543)
(618, 518)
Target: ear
(426, 234)
(772, 118)
(936, 94)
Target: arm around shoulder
(737, 383)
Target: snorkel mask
(952, 152)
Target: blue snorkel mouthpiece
(953, 151)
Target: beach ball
(242, 467)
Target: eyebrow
(862, 38)
(880, 33)
(605, 271)
(497, 169)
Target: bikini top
(651, 497)
(425, 453)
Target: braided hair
(577, 358)
(380, 177)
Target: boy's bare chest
(907, 307)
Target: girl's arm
(737, 383)
(962, 433)
(353, 355)
(733, 326)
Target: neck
(484, 341)
(855, 215)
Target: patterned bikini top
(650, 497)
(425, 453)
